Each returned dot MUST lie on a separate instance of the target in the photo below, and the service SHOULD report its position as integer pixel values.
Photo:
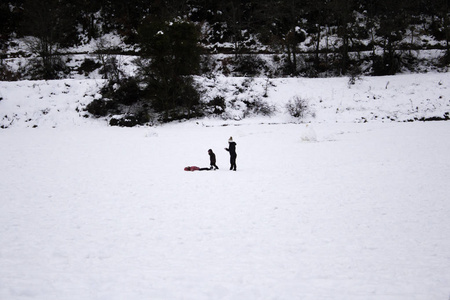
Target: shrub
(125, 91)
(47, 68)
(126, 121)
(172, 96)
(388, 64)
(217, 105)
(100, 107)
(248, 65)
(130, 120)
(258, 107)
(297, 107)
(111, 68)
(128, 92)
(7, 74)
(445, 59)
(88, 66)
(354, 75)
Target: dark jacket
(212, 158)
(231, 148)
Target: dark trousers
(233, 161)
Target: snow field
(360, 212)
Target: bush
(172, 96)
(47, 68)
(7, 74)
(437, 29)
(388, 64)
(249, 65)
(111, 68)
(445, 59)
(101, 108)
(88, 66)
(130, 120)
(297, 107)
(126, 121)
(216, 105)
(259, 107)
(354, 75)
(126, 91)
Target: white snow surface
(339, 209)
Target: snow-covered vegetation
(62, 103)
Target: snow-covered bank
(109, 213)
(387, 98)
(384, 99)
(54, 103)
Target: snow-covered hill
(61, 103)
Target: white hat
(230, 139)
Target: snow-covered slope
(46, 103)
(398, 98)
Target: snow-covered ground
(338, 209)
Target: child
(212, 160)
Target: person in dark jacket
(212, 160)
(232, 149)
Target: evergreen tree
(344, 17)
(174, 55)
(8, 15)
(392, 18)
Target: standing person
(212, 160)
(232, 149)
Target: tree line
(66, 21)
(280, 24)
